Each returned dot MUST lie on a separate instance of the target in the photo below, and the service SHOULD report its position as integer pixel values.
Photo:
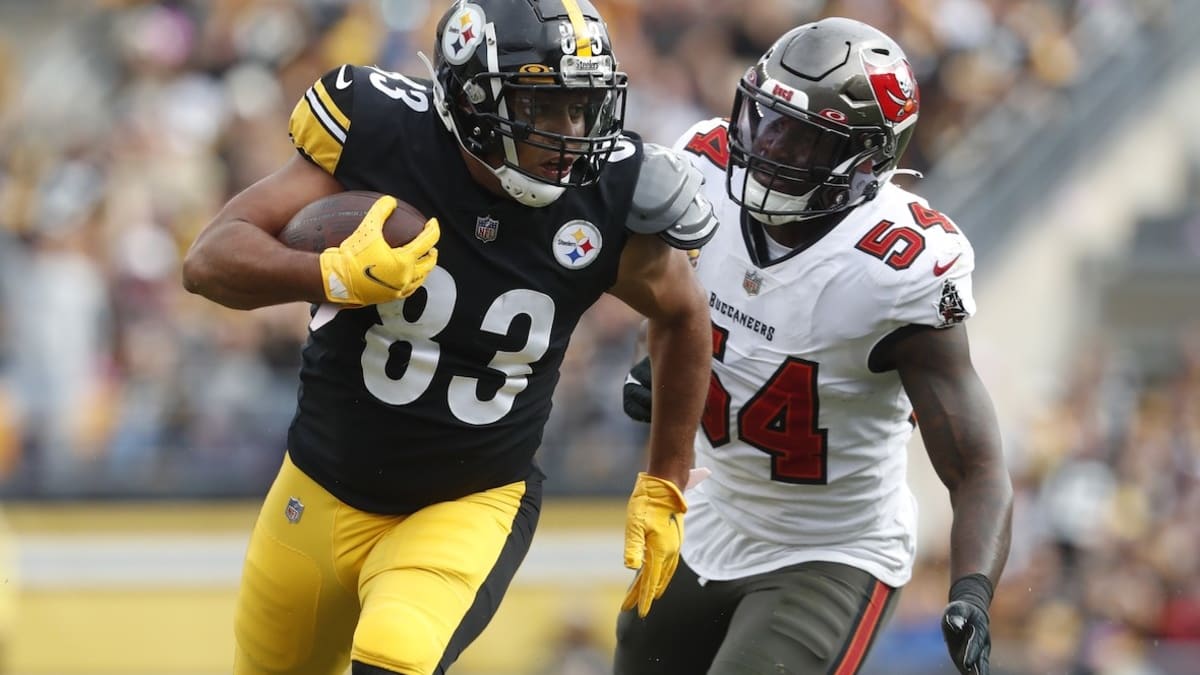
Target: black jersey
(446, 392)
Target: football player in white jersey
(837, 301)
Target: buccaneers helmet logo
(895, 90)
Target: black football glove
(636, 393)
(965, 624)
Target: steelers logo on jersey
(576, 244)
(464, 33)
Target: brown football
(329, 220)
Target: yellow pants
(324, 583)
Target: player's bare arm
(236, 259)
(958, 426)
(657, 281)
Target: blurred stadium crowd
(138, 119)
(126, 127)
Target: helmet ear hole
(482, 138)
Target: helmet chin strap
(774, 202)
(439, 97)
(517, 185)
(526, 190)
(887, 177)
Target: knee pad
(400, 639)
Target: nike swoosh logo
(940, 269)
(370, 275)
(342, 82)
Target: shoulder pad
(667, 200)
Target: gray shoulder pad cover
(667, 200)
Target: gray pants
(816, 618)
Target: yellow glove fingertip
(665, 579)
(428, 261)
(381, 209)
(645, 598)
(371, 225)
(631, 596)
(369, 233)
(424, 242)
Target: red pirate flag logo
(895, 89)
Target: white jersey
(807, 444)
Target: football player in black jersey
(408, 494)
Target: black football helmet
(490, 54)
(820, 122)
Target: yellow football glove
(364, 270)
(653, 534)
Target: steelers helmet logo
(576, 244)
(463, 34)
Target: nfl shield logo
(486, 228)
(752, 282)
(294, 510)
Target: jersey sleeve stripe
(312, 137)
(330, 106)
(327, 119)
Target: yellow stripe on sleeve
(314, 132)
(330, 106)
